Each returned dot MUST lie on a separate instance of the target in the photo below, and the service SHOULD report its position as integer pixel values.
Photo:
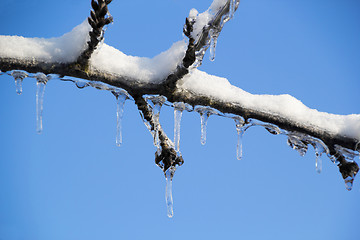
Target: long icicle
(121, 96)
(179, 107)
(239, 124)
(168, 191)
(204, 116)
(41, 81)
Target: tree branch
(87, 66)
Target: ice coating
(156, 103)
(219, 89)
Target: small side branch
(166, 156)
(99, 17)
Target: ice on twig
(156, 103)
(295, 142)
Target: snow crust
(62, 49)
(285, 105)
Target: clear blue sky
(72, 182)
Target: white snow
(285, 105)
(68, 47)
(154, 70)
(62, 49)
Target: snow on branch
(173, 74)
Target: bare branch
(97, 20)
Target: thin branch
(99, 17)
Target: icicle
(239, 124)
(203, 118)
(179, 107)
(205, 113)
(232, 8)
(121, 96)
(318, 160)
(41, 81)
(156, 103)
(319, 148)
(19, 77)
(168, 191)
(213, 41)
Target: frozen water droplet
(156, 103)
(179, 107)
(81, 84)
(275, 130)
(349, 183)
(41, 81)
(121, 96)
(205, 113)
(19, 77)
(296, 143)
(168, 191)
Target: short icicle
(179, 107)
(349, 182)
(19, 77)
(205, 113)
(168, 191)
(203, 118)
(239, 124)
(41, 80)
(319, 149)
(121, 96)
(213, 41)
(318, 162)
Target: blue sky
(72, 182)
